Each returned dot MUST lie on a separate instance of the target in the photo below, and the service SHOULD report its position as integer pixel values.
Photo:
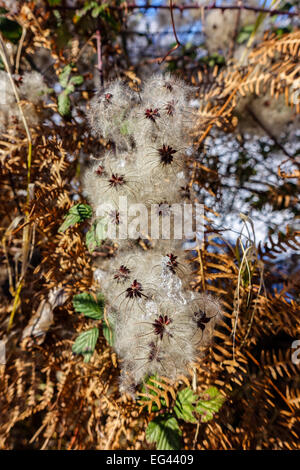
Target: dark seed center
(166, 154)
(122, 273)
(116, 180)
(152, 114)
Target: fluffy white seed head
(111, 177)
(165, 341)
(31, 90)
(33, 87)
(161, 341)
(159, 322)
(109, 112)
(162, 88)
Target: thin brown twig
(196, 435)
(236, 30)
(160, 61)
(173, 22)
(133, 6)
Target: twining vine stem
(175, 34)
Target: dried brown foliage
(49, 398)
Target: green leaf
(85, 211)
(77, 80)
(76, 214)
(185, 405)
(249, 28)
(242, 37)
(245, 33)
(98, 10)
(165, 432)
(65, 75)
(85, 343)
(70, 88)
(87, 7)
(64, 103)
(54, 3)
(101, 229)
(210, 405)
(95, 235)
(109, 331)
(284, 30)
(85, 303)
(87, 357)
(90, 238)
(72, 218)
(11, 30)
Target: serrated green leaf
(85, 211)
(64, 104)
(185, 405)
(65, 75)
(77, 80)
(76, 214)
(70, 220)
(3, 10)
(210, 405)
(85, 303)
(85, 343)
(10, 30)
(164, 431)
